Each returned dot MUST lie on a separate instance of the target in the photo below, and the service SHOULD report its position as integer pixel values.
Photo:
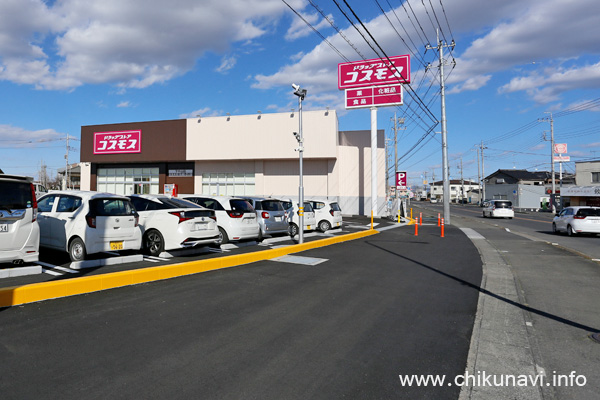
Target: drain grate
(300, 260)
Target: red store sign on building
(380, 96)
(118, 142)
(377, 71)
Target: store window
(128, 181)
(228, 184)
(595, 177)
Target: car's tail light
(181, 216)
(34, 217)
(579, 216)
(213, 217)
(91, 221)
(331, 211)
(235, 214)
(137, 220)
(265, 215)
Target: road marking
(50, 272)
(471, 233)
(300, 260)
(507, 230)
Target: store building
(245, 155)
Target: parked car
(498, 209)
(82, 223)
(271, 215)
(328, 214)
(577, 219)
(433, 200)
(170, 223)
(19, 229)
(236, 218)
(310, 221)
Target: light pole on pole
(301, 93)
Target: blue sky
(67, 63)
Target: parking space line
(50, 272)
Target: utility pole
(553, 196)
(483, 171)
(396, 129)
(440, 47)
(479, 176)
(462, 183)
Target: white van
(19, 229)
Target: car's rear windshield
(308, 207)
(15, 195)
(588, 212)
(240, 205)
(335, 207)
(503, 204)
(111, 207)
(271, 205)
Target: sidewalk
(537, 307)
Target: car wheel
(570, 231)
(154, 243)
(260, 236)
(293, 230)
(324, 226)
(483, 213)
(77, 250)
(554, 230)
(223, 236)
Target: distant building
(528, 190)
(436, 190)
(587, 190)
(73, 175)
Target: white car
(170, 223)
(236, 218)
(310, 221)
(581, 219)
(82, 223)
(19, 229)
(498, 209)
(328, 214)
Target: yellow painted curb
(16, 295)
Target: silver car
(271, 216)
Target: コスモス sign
(374, 72)
(118, 142)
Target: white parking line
(50, 272)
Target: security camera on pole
(301, 93)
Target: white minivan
(236, 217)
(82, 223)
(19, 230)
(327, 213)
(310, 220)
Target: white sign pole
(374, 161)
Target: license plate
(278, 219)
(200, 226)
(307, 226)
(337, 224)
(116, 245)
(3, 227)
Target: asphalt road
(376, 308)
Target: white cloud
(135, 43)
(299, 28)
(124, 104)
(13, 136)
(227, 63)
(203, 112)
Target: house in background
(587, 190)
(528, 190)
(436, 190)
(73, 175)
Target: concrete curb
(16, 295)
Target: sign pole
(374, 161)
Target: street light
(301, 93)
